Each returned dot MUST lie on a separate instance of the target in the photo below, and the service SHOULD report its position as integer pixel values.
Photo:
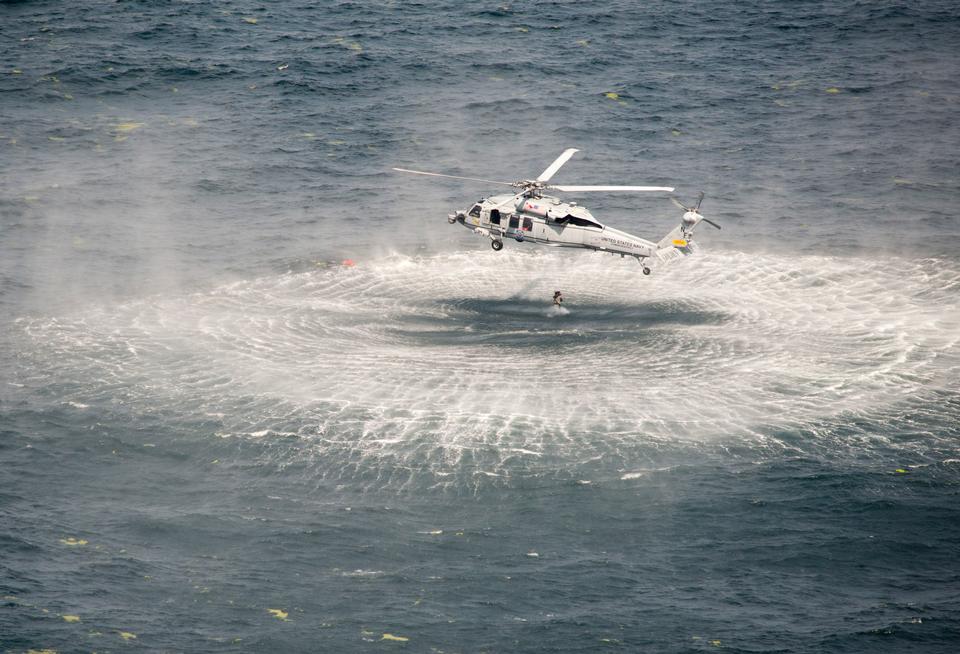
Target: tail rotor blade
(677, 202)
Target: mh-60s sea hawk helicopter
(529, 215)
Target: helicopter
(531, 216)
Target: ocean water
(217, 437)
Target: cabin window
(495, 216)
(514, 221)
(475, 211)
(581, 222)
(527, 224)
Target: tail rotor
(691, 215)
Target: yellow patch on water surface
(126, 635)
(680, 243)
(435, 532)
(399, 639)
(833, 89)
(73, 542)
(351, 45)
(675, 132)
(612, 95)
(901, 181)
(127, 127)
(17, 71)
(279, 614)
(41, 651)
(583, 42)
(780, 103)
(715, 643)
(71, 618)
(901, 471)
(252, 21)
(55, 138)
(523, 29)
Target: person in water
(557, 298)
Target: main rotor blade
(707, 220)
(573, 189)
(677, 202)
(472, 179)
(699, 200)
(555, 166)
(511, 200)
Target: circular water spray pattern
(448, 368)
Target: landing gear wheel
(496, 245)
(646, 271)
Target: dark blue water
(216, 437)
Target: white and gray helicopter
(531, 216)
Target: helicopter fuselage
(549, 221)
(529, 215)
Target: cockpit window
(475, 211)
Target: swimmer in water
(557, 298)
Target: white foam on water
(440, 360)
